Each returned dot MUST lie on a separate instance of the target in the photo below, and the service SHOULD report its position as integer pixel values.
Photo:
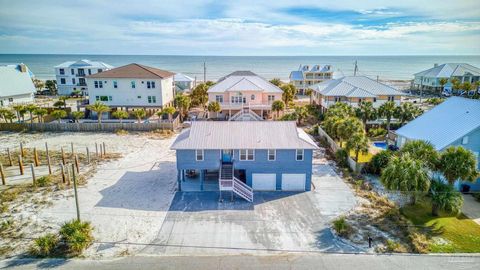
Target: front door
(227, 156)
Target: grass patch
(341, 226)
(459, 233)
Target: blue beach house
(244, 156)
(455, 122)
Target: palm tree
(359, 143)
(214, 107)
(347, 127)
(445, 197)
(407, 175)
(276, 81)
(58, 114)
(183, 104)
(422, 151)
(8, 116)
(466, 86)
(199, 94)
(58, 104)
(309, 93)
(40, 112)
(77, 115)
(139, 114)
(458, 163)
(31, 108)
(442, 82)
(278, 106)
(340, 110)
(18, 109)
(456, 85)
(168, 111)
(407, 112)
(64, 99)
(120, 115)
(99, 108)
(301, 113)
(366, 112)
(289, 92)
(387, 110)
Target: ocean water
(386, 67)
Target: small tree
(18, 109)
(77, 115)
(346, 127)
(40, 113)
(183, 104)
(168, 111)
(39, 84)
(366, 112)
(407, 175)
(422, 151)
(58, 114)
(30, 109)
(214, 107)
(99, 108)
(301, 113)
(120, 115)
(387, 110)
(8, 116)
(276, 82)
(359, 143)
(139, 114)
(58, 104)
(407, 112)
(445, 197)
(278, 106)
(289, 92)
(442, 82)
(340, 110)
(51, 85)
(309, 93)
(199, 94)
(458, 163)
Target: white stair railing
(242, 190)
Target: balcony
(253, 106)
(82, 84)
(80, 75)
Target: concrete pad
(471, 208)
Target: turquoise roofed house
(430, 79)
(244, 156)
(16, 85)
(455, 122)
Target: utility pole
(204, 72)
(75, 190)
(355, 69)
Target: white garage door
(291, 181)
(264, 181)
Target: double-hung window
(100, 84)
(148, 84)
(219, 98)
(95, 83)
(62, 71)
(72, 71)
(62, 81)
(152, 99)
(271, 98)
(247, 154)
(391, 98)
(73, 80)
(153, 84)
(132, 83)
(299, 154)
(115, 84)
(199, 155)
(271, 154)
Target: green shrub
(44, 246)
(43, 181)
(341, 226)
(379, 162)
(77, 236)
(392, 246)
(377, 132)
(341, 157)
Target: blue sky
(243, 27)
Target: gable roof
(243, 81)
(84, 63)
(449, 69)
(445, 123)
(14, 81)
(179, 77)
(243, 135)
(354, 86)
(134, 70)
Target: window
(299, 154)
(271, 154)
(97, 98)
(360, 100)
(148, 84)
(337, 99)
(100, 84)
(199, 155)
(238, 99)
(62, 71)
(72, 71)
(465, 140)
(271, 98)
(132, 83)
(89, 72)
(391, 98)
(115, 84)
(151, 84)
(374, 99)
(73, 80)
(139, 97)
(247, 154)
(99, 70)
(62, 80)
(219, 98)
(103, 98)
(152, 99)
(252, 97)
(81, 72)
(10, 99)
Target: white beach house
(307, 76)
(353, 90)
(243, 95)
(132, 86)
(71, 75)
(183, 83)
(430, 79)
(16, 85)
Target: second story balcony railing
(82, 84)
(263, 105)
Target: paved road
(281, 261)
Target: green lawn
(462, 234)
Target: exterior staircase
(228, 182)
(245, 114)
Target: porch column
(179, 179)
(202, 178)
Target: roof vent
(435, 65)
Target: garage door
(291, 181)
(264, 181)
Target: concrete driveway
(197, 223)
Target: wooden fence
(333, 145)
(89, 127)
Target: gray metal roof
(84, 63)
(445, 123)
(180, 77)
(296, 75)
(450, 69)
(243, 81)
(244, 135)
(354, 86)
(15, 82)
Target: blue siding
(285, 162)
(473, 145)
